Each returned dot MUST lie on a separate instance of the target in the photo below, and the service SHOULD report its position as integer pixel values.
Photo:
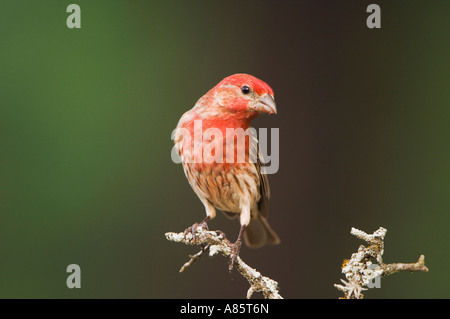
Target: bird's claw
(235, 249)
(193, 229)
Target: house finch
(218, 164)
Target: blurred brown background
(86, 117)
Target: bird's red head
(243, 93)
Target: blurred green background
(86, 118)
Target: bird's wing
(264, 189)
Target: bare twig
(361, 272)
(193, 258)
(417, 266)
(215, 242)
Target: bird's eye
(245, 89)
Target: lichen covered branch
(214, 243)
(361, 273)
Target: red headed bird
(224, 171)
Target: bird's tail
(258, 233)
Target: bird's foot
(193, 229)
(235, 249)
(224, 236)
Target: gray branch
(214, 243)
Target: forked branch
(214, 243)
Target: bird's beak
(266, 104)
